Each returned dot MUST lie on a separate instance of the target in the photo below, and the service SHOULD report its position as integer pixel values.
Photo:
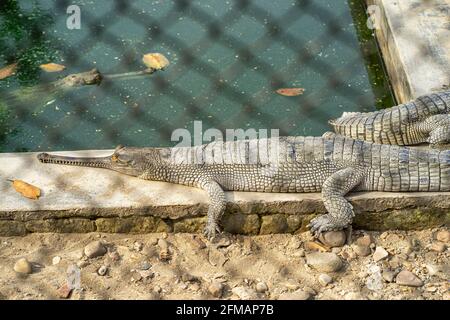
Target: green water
(230, 84)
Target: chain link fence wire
(228, 58)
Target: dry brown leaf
(7, 71)
(290, 92)
(155, 61)
(52, 67)
(26, 189)
(315, 246)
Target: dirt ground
(235, 267)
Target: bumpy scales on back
(333, 166)
(425, 119)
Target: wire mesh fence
(227, 59)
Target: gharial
(334, 166)
(425, 119)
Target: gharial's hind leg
(340, 211)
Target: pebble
(94, 249)
(354, 296)
(136, 276)
(115, 256)
(138, 246)
(261, 287)
(294, 243)
(299, 253)
(145, 265)
(223, 242)
(216, 289)
(433, 269)
(443, 235)
(244, 293)
(23, 266)
(407, 278)
(325, 279)
(438, 246)
(333, 238)
(64, 291)
(56, 260)
(146, 274)
(380, 254)
(82, 263)
(388, 275)
(291, 284)
(102, 270)
(324, 261)
(362, 250)
(296, 295)
(365, 240)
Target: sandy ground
(235, 267)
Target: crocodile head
(81, 79)
(130, 161)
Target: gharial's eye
(114, 158)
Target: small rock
(261, 287)
(94, 249)
(361, 250)
(199, 242)
(354, 296)
(145, 265)
(310, 290)
(384, 235)
(102, 270)
(388, 275)
(443, 236)
(114, 256)
(23, 266)
(336, 250)
(136, 276)
(56, 260)
(333, 238)
(244, 293)
(82, 263)
(325, 279)
(296, 295)
(380, 254)
(223, 243)
(187, 277)
(146, 274)
(365, 240)
(294, 243)
(438, 246)
(299, 253)
(324, 261)
(138, 246)
(433, 269)
(64, 291)
(164, 235)
(215, 289)
(395, 262)
(407, 278)
(291, 284)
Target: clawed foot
(325, 223)
(211, 231)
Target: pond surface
(226, 62)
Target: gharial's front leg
(340, 211)
(216, 208)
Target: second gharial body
(425, 119)
(333, 166)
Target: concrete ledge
(89, 199)
(414, 38)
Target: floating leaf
(315, 246)
(26, 189)
(155, 61)
(290, 92)
(7, 71)
(52, 67)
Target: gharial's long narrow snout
(98, 162)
